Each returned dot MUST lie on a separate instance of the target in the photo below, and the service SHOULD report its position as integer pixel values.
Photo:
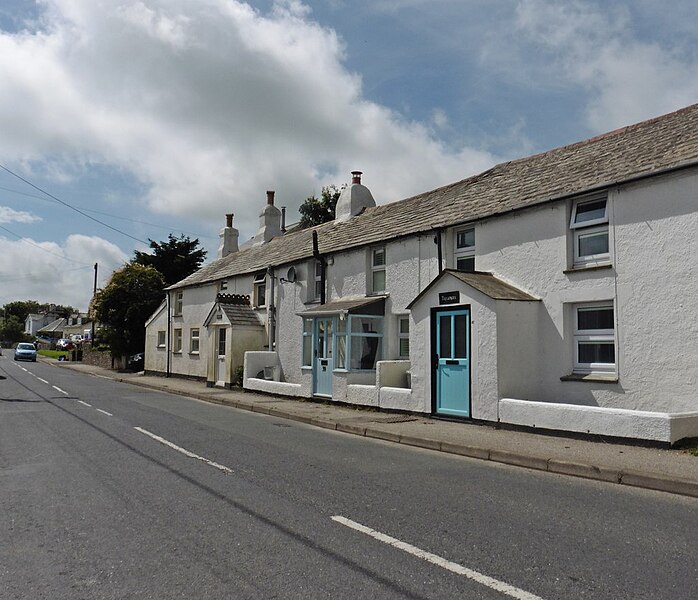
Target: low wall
(363, 395)
(98, 358)
(615, 422)
(393, 373)
(280, 388)
(257, 361)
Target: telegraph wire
(77, 210)
(106, 214)
(26, 241)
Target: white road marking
(491, 583)
(104, 412)
(85, 403)
(43, 380)
(183, 451)
(59, 389)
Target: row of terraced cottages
(558, 291)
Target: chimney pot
(356, 176)
(229, 220)
(270, 198)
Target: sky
(123, 121)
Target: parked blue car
(25, 351)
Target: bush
(237, 381)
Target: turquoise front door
(452, 362)
(323, 363)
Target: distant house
(557, 291)
(34, 322)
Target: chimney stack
(229, 237)
(354, 199)
(269, 222)
(356, 177)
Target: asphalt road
(113, 491)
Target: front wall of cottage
(654, 272)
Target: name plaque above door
(449, 297)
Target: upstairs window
(161, 338)
(223, 286)
(260, 289)
(464, 250)
(178, 303)
(318, 280)
(378, 270)
(594, 338)
(589, 226)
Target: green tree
(122, 307)
(175, 259)
(319, 210)
(12, 330)
(20, 309)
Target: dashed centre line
(490, 582)
(55, 387)
(43, 381)
(85, 403)
(183, 451)
(104, 412)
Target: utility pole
(94, 293)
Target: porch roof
(343, 305)
(485, 283)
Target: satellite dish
(291, 275)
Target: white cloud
(9, 215)
(58, 273)
(209, 104)
(622, 76)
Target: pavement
(672, 470)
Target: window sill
(595, 377)
(194, 353)
(584, 268)
(161, 347)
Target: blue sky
(159, 116)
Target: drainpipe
(323, 266)
(271, 310)
(439, 251)
(168, 336)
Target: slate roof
(239, 314)
(342, 305)
(486, 283)
(644, 149)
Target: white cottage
(557, 291)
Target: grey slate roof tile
(646, 148)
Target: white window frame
(378, 267)
(260, 289)
(317, 279)
(602, 336)
(463, 252)
(582, 229)
(223, 286)
(177, 341)
(194, 340)
(162, 339)
(178, 303)
(403, 336)
(307, 343)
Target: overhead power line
(106, 214)
(70, 206)
(26, 241)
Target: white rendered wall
(156, 358)
(654, 270)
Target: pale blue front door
(452, 362)
(323, 363)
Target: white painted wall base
(363, 395)
(280, 388)
(616, 422)
(392, 398)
